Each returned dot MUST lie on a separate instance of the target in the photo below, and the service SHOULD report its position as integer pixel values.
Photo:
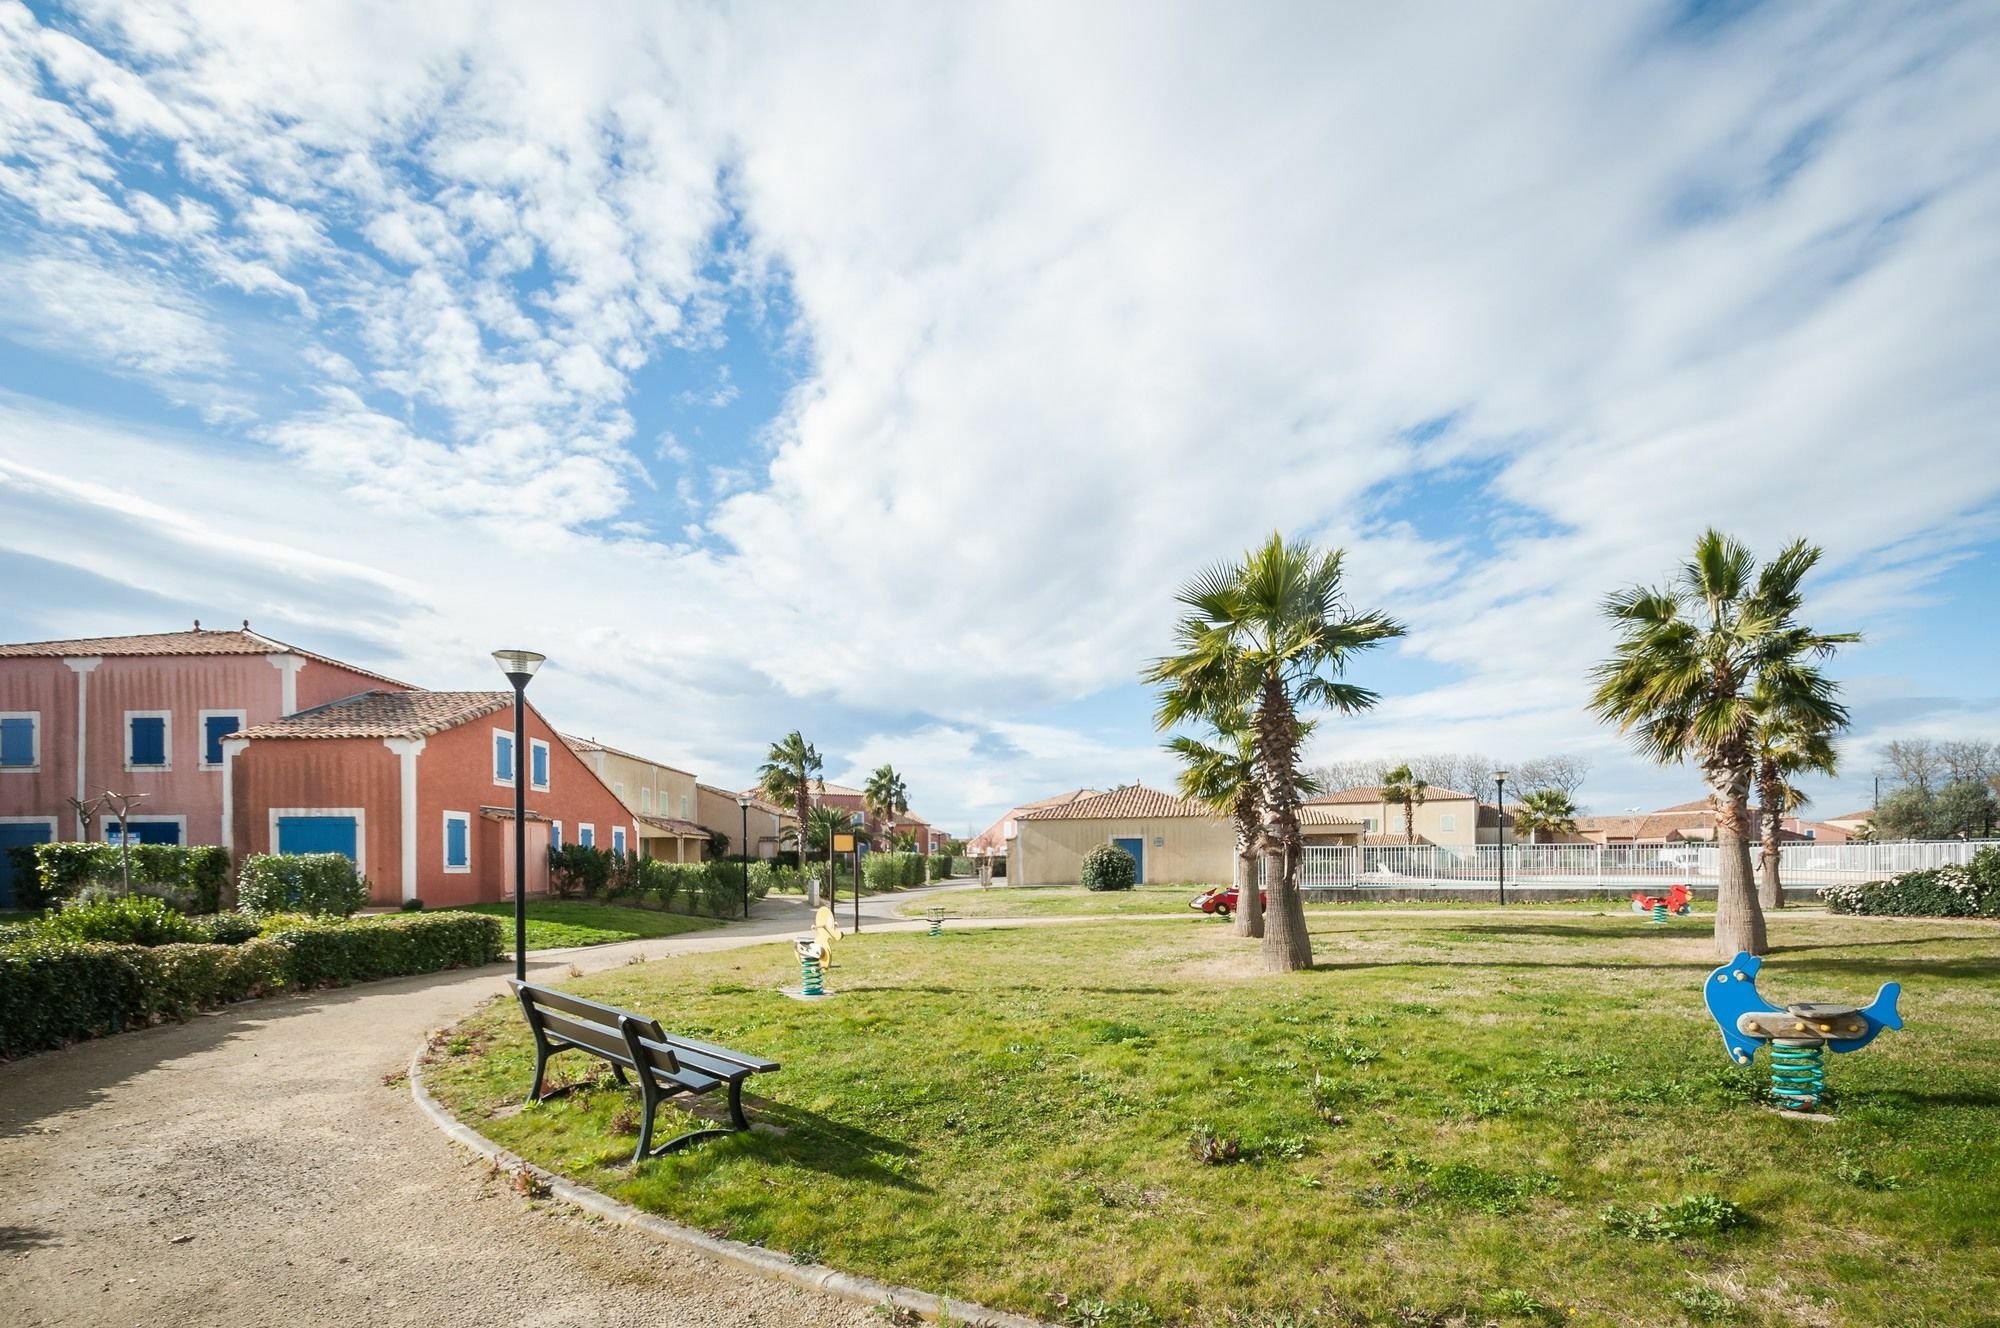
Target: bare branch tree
(1350, 772)
(1969, 760)
(1913, 761)
(1562, 771)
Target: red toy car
(1221, 900)
(1679, 901)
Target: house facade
(1171, 839)
(719, 811)
(994, 841)
(417, 788)
(1445, 816)
(145, 715)
(661, 797)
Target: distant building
(994, 840)
(719, 810)
(1445, 817)
(1171, 838)
(661, 797)
(1686, 822)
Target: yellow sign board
(843, 843)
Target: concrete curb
(753, 1258)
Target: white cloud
(120, 317)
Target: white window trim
(202, 717)
(619, 840)
(645, 801)
(585, 828)
(466, 869)
(33, 767)
(493, 759)
(166, 742)
(108, 821)
(360, 815)
(548, 765)
(55, 829)
(555, 834)
(1447, 823)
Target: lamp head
(1500, 776)
(743, 801)
(518, 665)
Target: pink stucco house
(143, 715)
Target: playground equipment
(812, 966)
(826, 931)
(935, 916)
(1799, 1034)
(1220, 900)
(1678, 901)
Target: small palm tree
(1689, 656)
(1400, 786)
(1271, 633)
(885, 797)
(1544, 811)
(1787, 743)
(792, 770)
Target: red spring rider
(1678, 901)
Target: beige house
(660, 797)
(1445, 816)
(718, 810)
(996, 839)
(1170, 838)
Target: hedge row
(1971, 891)
(300, 883)
(188, 876)
(55, 990)
(710, 889)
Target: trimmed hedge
(300, 883)
(1972, 891)
(55, 990)
(1109, 867)
(127, 920)
(191, 877)
(893, 871)
(700, 889)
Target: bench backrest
(589, 1024)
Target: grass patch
(1457, 1116)
(559, 923)
(1046, 901)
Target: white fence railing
(1622, 864)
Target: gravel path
(264, 1164)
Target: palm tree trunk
(1739, 921)
(1249, 890)
(804, 810)
(1771, 809)
(1287, 945)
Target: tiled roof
(674, 825)
(1373, 793)
(1698, 805)
(1866, 813)
(577, 744)
(993, 839)
(197, 642)
(1132, 801)
(757, 800)
(1325, 816)
(839, 790)
(411, 714)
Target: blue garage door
(1137, 848)
(316, 834)
(11, 835)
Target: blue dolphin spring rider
(1799, 1034)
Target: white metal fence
(1593, 865)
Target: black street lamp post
(519, 666)
(1500, 807)
(743, 805)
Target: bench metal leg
(736, 1105)
(542, 1054)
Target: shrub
(300, 883)
(413, 905)
(1109, 867)
(576, 870)
(938, 866)
(190, 877)
(227, 928)
(1971, 891)
(130, 920)
(322, 951)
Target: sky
(881, 370)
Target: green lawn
(1036, 901)
(1432, 1123)
(559, 923)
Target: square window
(503, 758)
(148, 739)
(21, 740)
(538, 764)
(215, 726)
(457, 841)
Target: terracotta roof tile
(1135, 800)
(675, 825)
(199, 642)
(1373, 793)
(993, 839)
(1322, 815)
(410, 714)
(757, 800)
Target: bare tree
(1969, 760)
(1473, 773)
(1435, 770)
(1915, 762)
(1562, 771)
(1332, 776)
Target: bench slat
(605, 1042)
(721, 1069)
(595, 1012)
(755, 1063)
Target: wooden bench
(666, 1066)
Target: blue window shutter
(17, 742)
(454, 843)
(618, 839)
(149, 741)
(503, 756)
(555, 834)
(587, 837)
(214, 730)
(541, 770)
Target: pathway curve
(264, 1164)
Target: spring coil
(811, 978)
(937, 926)
(1798, 1073)
(1659, 912)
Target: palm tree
(1223, 774)
(1786, 744)
(1270, 633)
(1689, 655)
(885, 797)
(1544, 810)
(1400, 786)
(792, 769)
